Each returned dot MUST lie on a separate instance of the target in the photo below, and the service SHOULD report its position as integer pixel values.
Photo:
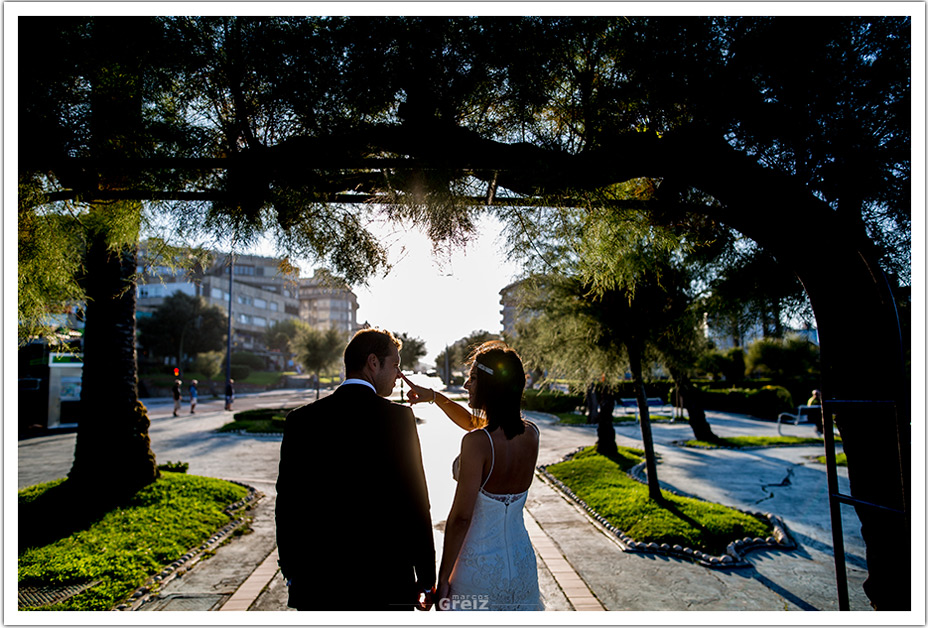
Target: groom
(353, 525)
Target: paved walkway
(580, 567)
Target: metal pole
(229, 339)
(447, 368)
(834, 506)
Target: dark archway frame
(859, 331)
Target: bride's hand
(417, 394)
(442, 603)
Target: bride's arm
(474, 450)
(461, 416)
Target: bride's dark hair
(497, 372)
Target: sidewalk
(581, 568)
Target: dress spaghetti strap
(492, 456)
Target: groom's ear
(373, 361)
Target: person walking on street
(193, 396)
(352, 449)
(175, 392)
(230, 394)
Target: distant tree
(460, 350)
(792, 357)
(727, 365)
(319, 350)
(250, 359)
(413, 350)
(209, 365)
(183, 325)
(282, 336)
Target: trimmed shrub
(550, 401)
(764, 403)
(249, 359)
(174, 467)
(240, 372)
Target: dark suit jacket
(353, 525)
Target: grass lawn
(738, 442)
(121, 546)
(603, 484)
(572, 418)
(840, 460)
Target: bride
(488, 562)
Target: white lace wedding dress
(496, 568)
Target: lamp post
(229, 338)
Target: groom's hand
(426, 599)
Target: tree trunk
(694, 408)
(113, 450)
(849, 293)
(605, 430)
(592, 404)
(634, 362)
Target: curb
(184, 563)
(734, 553)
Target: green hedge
(240, 372)
(550, 401)
(764, 403)
(249, 359)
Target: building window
(261, 303)
(243, 270)
(260, 321)
(272, 305)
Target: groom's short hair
(380, 342)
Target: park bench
(631, 404)
(803, 414)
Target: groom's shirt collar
(363, 382)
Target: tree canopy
(183, 325)
(413, 350)
(778, 127)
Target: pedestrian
(193, 396)
(355, 449)
(816, 413)
(175, 392)
(230, 394)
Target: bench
(631, 404)
(803, 415)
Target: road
(785, 481)
(780, 474)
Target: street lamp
(229, 338)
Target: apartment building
(264, 290)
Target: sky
(439, 298)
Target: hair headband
(487, 369)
